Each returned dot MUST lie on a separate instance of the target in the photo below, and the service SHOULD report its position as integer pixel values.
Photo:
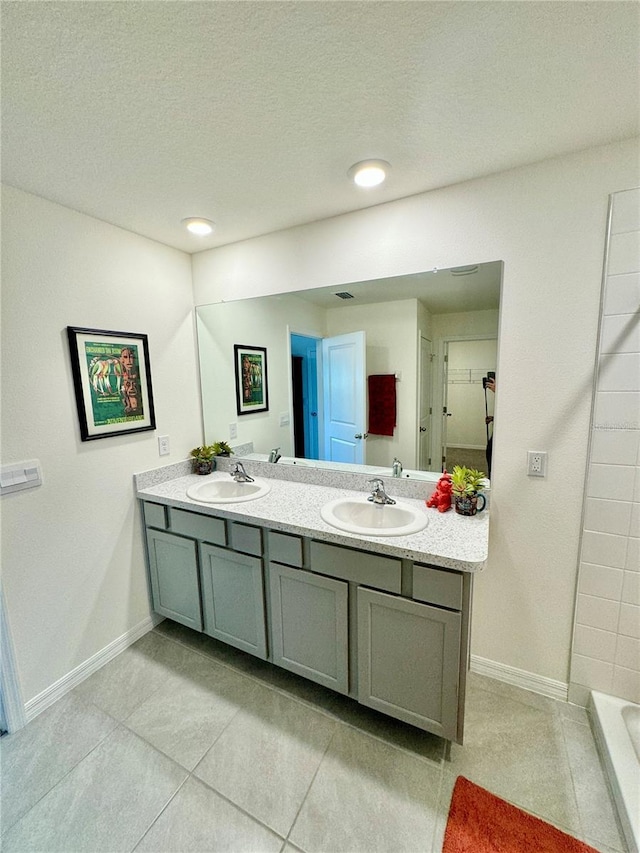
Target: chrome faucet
(378, 494)
(396, 468)
(274, 455)
(240, 475)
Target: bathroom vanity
(384, 620)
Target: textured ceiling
(250, 113)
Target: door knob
(361, 435)
(423, 429)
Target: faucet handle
(379, 494)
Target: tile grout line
(236, 806)
(308, 704)
(304, 799)
(161, 812)
(65, 775)
(437, 814)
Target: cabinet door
(233, 599)
(309, 622)
(173, 570)
(408, 661)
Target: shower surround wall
(606, 642)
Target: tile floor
(184, 744)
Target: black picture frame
(252, 387)
(112, 382)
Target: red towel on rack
(382, 404)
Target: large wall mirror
(359, 374)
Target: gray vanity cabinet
(389, 632)
(173, 572)
(310, 626)
(408, 660)
(233, 599)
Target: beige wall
(267, 325)
(73, 571)
(72, 561)
(547, 223)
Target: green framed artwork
(251, 379)
(112, 382)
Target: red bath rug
(480, 822)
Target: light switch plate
(20, 475)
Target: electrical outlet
(537, 463)
(233, 430)
(163, 445)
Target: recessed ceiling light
(199, 226)
(369, 173)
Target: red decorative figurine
(441, 497)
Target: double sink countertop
(449, 540)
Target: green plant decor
(204, 453)
(221, 448)
(467, 481)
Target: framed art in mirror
(252, 394)
(112, 382)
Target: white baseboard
(520, 678)
(57, 690)
(482, 666)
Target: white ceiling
(442, 291)
(250, 113)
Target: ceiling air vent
(344, 294)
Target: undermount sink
(362, 516)
(227, 491)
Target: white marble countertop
(449, 540)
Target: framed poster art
(112, 381)
(251, 379)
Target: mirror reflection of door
(466, 403)
(304, 379)
(424, 403)
(344, 398)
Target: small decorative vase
(204, 466)
(468, 504)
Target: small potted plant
(204, 459)
(467, 485)
(221, 448)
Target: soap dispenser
(396, 468)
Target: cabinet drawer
(155, 515)
(245, 538)
(198, 526)
(437, 586)
(285, 548)
(361, 567)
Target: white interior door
(344, 393)
(424, 404)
